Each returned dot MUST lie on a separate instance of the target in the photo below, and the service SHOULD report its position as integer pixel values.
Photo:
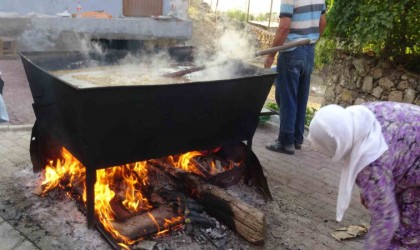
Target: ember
(126, 188)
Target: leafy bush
(324, 51)
(386, 28)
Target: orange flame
(184, 162)
(68, 172)
(67, 168)
(167, 225)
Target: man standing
(299, 19)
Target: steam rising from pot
(231, 47)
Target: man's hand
(269, 61)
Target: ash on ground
(55, 221)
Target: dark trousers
(292, 91)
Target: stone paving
(16, 92)
(14, 150)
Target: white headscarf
(353, 135)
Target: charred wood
(205, 170)
(228, 178)
(248, 221)
(156, 200)
(148, 223)
(120, 212)
(198, 219)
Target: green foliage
(324, 51)
(387, 28)
(310, 112)
(236, 15)
(272, 106)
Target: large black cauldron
(109, 126)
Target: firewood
(203, 169)
(192, 205)
(227, 179)
(200, 220)
(120, 212)
(248, 221)
(156, 200)
(143, 225)
(190, 180)
(166, 167)
(219, 166)
(180, 201)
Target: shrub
(388, 29)
(324, 51)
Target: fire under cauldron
(108, 126)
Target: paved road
(16, 92)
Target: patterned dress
(390, 185)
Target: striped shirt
(305, 15)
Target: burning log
(203, 169)
(120, 212)
(156, 199)
(248, 221)
(226, 179)
(149, 223)
(181, 202)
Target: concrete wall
(57, 33)
(51, 7)
(46, 31)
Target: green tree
(386, 28)
(237, 15)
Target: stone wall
(264, 37)
(354, 81)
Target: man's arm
(282, 31)
(279, 38)
(322, 24)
